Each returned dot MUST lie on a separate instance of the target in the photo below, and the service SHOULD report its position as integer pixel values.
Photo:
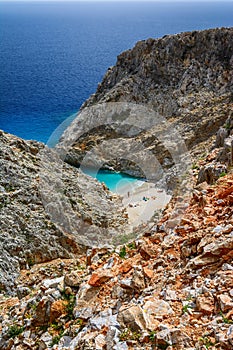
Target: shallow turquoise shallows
(113, 180)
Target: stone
(64, 343)
(148, 251)
(131, 317)
(205, 304)
(83, 312)
(112, 337)
(126, 266)
(170, 294)
(99, 277)
(148, 272)
(87, 293)
(105, 318)
(172, 336)
(221, 136)
(211, 173)
(57, 309)
(54, 283)
(126, 283)
(42, 312)
(73, 279)
(138, 280)
(157, 308)
(100, 342)
(22, 291)
(226, 152)
(45, 340)
(230, 335)
(226, 302)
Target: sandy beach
(142, 200)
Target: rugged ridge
(186, 78)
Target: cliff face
(186, 78)
(29, 233)
(172, 288)
(160, 72)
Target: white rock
(100, 342)
(54, 283)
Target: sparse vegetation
(222, 174)
(70, 303)
(206, 342)
(131, 245)
(122, 253)
(14, 330)
(30, 262)
(152, 336)
(185, 308)
(124, 335)
(56, 338)
(128, 334)
(227, 126)
(195, 166)
(225, 319)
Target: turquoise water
(114, 181)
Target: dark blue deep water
(52, 55)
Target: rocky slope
(186, 78)
(172, 288)
(29, 233)
(167, 290)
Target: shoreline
(142, 200)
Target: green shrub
(152, 336)
(14, 330)
(123, 252)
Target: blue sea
(54, 54)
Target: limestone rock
(226, 302)
(157, 308)
(189, 82)
(131, 317)
(58, 308)
(99, 277)
(34, 228)
(54, 283)
(205, 304)
(211, 173)
(42, 312)
(73, 279)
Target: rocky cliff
(28, 235)
(171, 288)
(186, 78)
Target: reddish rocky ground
(164, 291)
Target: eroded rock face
(170, 289)
(181, 298)
(27, 233)
(186, 78)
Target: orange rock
(98, 278)
(226, 193)
(104, 330)
(205, 304)
(58, 308)
(125, 266)
(148, 272)
(226, 303)
(148, 251)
